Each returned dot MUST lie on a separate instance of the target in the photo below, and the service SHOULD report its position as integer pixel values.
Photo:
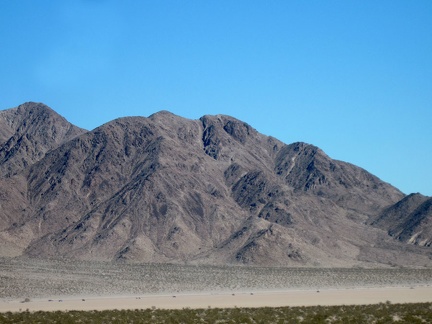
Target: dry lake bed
(65, 285)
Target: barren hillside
(213, 190)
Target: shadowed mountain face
(409, 220)
(169, 189)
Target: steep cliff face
(169, 189)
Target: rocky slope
(27, 133)
(409, 220)
(169, 189)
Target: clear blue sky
(352, 77)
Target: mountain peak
(161, 113)
(170, 189)
(28, 132)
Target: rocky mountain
(409, 220)
(27, 133)
(170, 189)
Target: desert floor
(64, 285)
(356, 296)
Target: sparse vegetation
(380, 313)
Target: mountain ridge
(165, 188)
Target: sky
(351, 77)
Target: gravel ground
(31, 278)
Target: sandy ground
(65, 285)
(355, 296)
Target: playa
(65, 285)
(356, 296)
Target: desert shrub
(380, 313)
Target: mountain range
(208, 191)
